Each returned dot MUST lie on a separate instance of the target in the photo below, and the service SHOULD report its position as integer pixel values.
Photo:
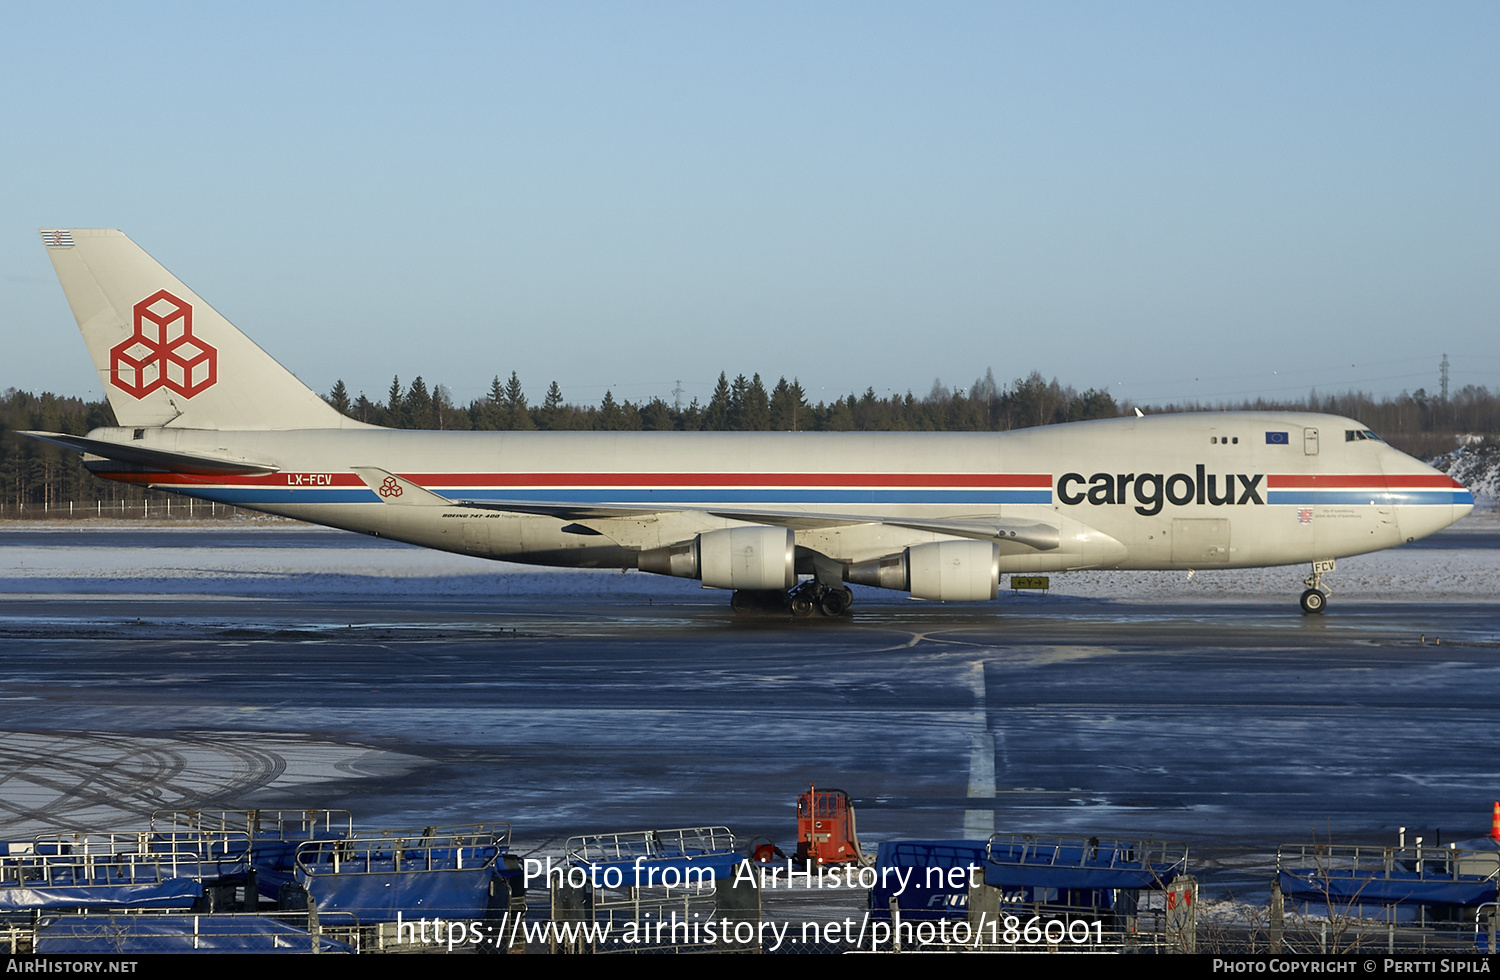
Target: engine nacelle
(952, 571)
(760, 558)
(748, 558)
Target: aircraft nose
(1425, 498)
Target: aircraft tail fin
(166, 357)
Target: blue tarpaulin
(379, 896)
(920, 875)
(675, 871)
(928, 879)
(1384, 888)
(173, 893)
(1080, 866)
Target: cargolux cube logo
(163, 353)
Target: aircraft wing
(1035, 534)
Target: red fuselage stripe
(1373, 481)
(574, 480)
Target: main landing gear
(801, 601)
(1315, 599)
(813, 596)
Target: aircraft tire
(834, 602)
(1314, 601)
(801, 606)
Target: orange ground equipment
(825, 828)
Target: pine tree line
(35, 473)
(741, 405)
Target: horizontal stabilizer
(158, 459)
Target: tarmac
(587, 703)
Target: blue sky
(1171, 200)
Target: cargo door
(1200, 541)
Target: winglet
(392, 489)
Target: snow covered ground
(276, 558)
(265, 560)
(1477, 467)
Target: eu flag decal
(1277, 439)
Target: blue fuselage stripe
(716, 496)
(719, 496)
(1380, 498)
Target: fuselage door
(1310, 442)
(1200, 541)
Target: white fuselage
(1234, 489)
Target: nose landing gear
(1315, 599)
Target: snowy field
(266, 559)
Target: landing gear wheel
(834, 602)
(1314, 601)
(742, 602)
(812, 596)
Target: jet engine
(757, 558)
(954, 571)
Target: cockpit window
(1359, 435)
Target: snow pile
(1476, 466)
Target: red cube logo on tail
(163, 353)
